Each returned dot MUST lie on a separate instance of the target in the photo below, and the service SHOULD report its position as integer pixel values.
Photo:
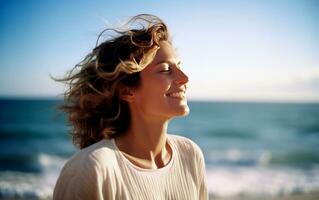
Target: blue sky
(231, 50)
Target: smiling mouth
(177, 95)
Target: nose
(181, 77)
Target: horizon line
(224, 100)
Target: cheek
(157, 86)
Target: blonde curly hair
(92, 102)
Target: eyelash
(167, 70)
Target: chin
(186, 111)
(182, 111)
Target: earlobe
(127, 94)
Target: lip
(179, 94)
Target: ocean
(249, 148)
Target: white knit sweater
(102, 172)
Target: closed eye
(165, 68)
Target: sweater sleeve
(203, 193)
(81, 179)
(202, 179)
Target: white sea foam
(223, 181)
(32, 186)
(233, 181)
(235, 156)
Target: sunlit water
(249, 148)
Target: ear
(127, 94)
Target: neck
(146, 140)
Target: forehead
(165, 53)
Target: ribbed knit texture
(101, 171)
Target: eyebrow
(167, 61)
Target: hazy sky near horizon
(231, 50)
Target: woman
(120, 100)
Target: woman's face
(163, 85)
